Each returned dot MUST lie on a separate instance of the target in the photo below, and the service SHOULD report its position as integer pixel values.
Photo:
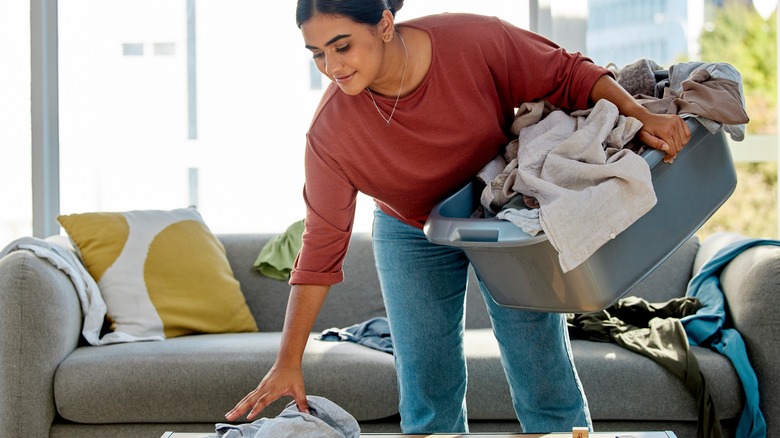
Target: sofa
(52, 383)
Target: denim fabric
(324, 420)
(424, 288)
(373, 333)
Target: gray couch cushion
(670, 279)
(356, 299)
(200, 378)
(711, 245)
(638, 388)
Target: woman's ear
(386, 26)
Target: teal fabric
(707, 328)
(277, 257)
(656, 332)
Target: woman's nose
(332, 65)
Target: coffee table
(664, 434)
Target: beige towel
(589, 189)
(498, 174)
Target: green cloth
(278, 255)
(656, 332)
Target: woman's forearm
(607, 88)
(286, 377)
(302, 309)
(666, 132)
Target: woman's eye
(339, 49)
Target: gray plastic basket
(522, 271)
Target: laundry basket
(523, 271)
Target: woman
(414, 112)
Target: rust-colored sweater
(440, 136)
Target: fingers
(668, 133)
(249, 401)
(278, 383)
(680, 133)
(254, 402)
(303, 405)
(259, 405)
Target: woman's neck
(419, 49)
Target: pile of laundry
(579, 177)
(709, 92)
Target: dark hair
(361, 11)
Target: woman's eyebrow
(330, 41)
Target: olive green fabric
(277, 257)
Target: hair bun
(395, 5)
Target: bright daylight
(389, 218)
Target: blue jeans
(424, 289)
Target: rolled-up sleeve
(330, 211)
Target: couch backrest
(670, 279)
(359, 298)
(354, 300)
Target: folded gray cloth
(325, 420)
(639, 77)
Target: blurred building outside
(170, 103)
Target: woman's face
(349, 53)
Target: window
(164, 49)
(157, 113)
(15, 140)
(133, 49)
(125, 127)
(316, 76)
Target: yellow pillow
(161, 273)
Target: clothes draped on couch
(663, 333)
(277, 257)
(654, 331)
(709, 328)
(92, 305)
(373, 333)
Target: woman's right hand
(286, 377)
(280, 381)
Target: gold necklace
(403, 75)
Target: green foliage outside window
(739, 36)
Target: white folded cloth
(92, 305)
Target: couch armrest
(751, 284)
(40, 325)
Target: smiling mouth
(344, 78)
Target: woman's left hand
(666, 132)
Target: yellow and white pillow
(161, 273)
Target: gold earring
(387, 38)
